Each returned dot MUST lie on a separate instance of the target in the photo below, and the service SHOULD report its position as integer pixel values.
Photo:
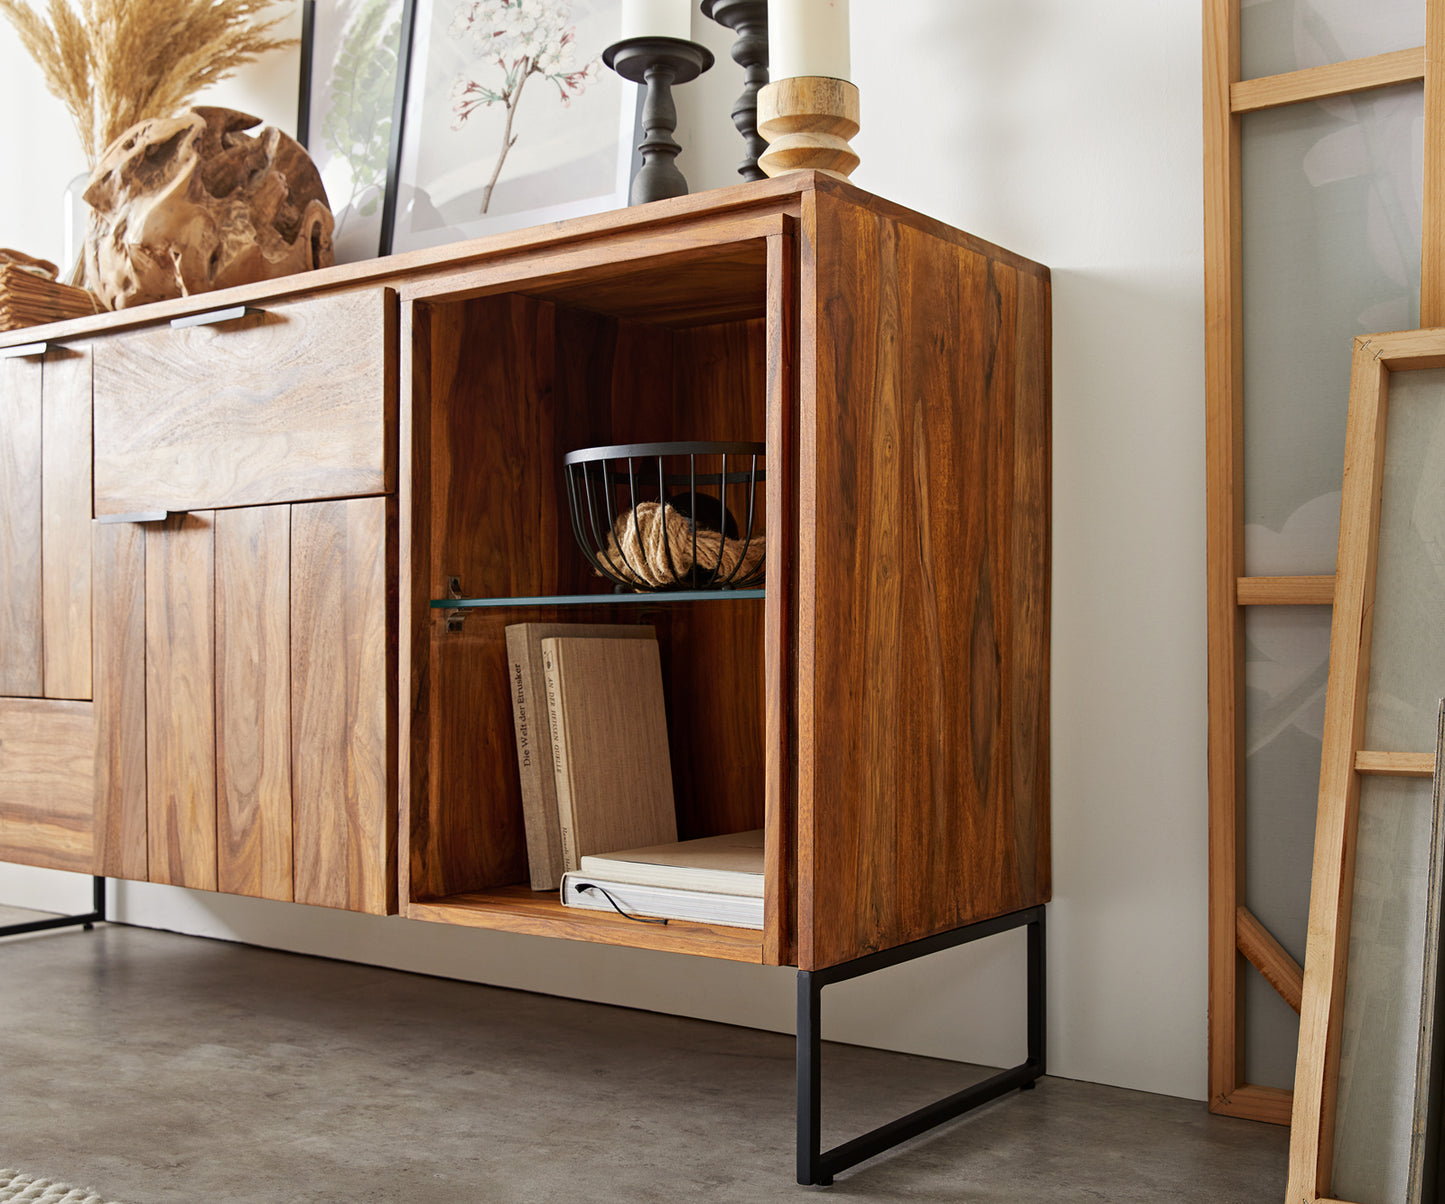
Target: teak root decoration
(808, 122)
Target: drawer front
(47, 784)
(290, 404)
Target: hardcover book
(730, 865)
(610, 752)
(528, 688)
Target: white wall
(1070, 133)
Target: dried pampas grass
(116, 62)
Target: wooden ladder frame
(1233, 930)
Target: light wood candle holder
(807, 121)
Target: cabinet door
(243, 724)
(343, 716)
(45, 476)
(21, 645)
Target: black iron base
(86, 921)
(818, 1167)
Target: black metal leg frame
(815, 1167)
(93, 917)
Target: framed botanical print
(509, 118)
(351, 51)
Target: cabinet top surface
(783, 195)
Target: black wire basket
(658, 517)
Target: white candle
(657, 19)
(808, 37)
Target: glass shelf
(686, 595)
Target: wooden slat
(1332, 876)
(519, 909)
(1249, 1102)
(779, 716)
(414, 618)
(118, 553)
(21, 647)
(342, 708)
(289, 404)
(1432, 228)
(253, 701)
(1224, 484)
(923, 481)
(1333, 79)
(1269, 957)
(1285, 591)
(47, 784)
(1395, 764)
(65, 522)
(181, 701)
(1404, 348)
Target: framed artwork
(1363, 1128)
(350, 54)
(509, 119)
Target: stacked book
(714, 880)
(30, 299)
(596, 777)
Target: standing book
(534, 737)
(609, 745)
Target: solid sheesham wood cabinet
(310, 507)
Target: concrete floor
(158, 1068)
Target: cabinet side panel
(924, 622)
(21, 653)
(253, 701)
(344, 838)
(496, 441)
(180, 687)
(118, 570)
(47, 779)
(65, 488)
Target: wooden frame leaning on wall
(1320, 1124)
(1236, 935)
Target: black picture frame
(354, 56)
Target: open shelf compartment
(504, 384)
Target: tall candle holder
(749, 20)
(658, 63)
(807, 121)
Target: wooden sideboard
(229, 525)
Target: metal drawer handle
(215, 317)
(23, 351)
(138, 516)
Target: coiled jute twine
(652, 544)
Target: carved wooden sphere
(191, 203)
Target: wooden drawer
(47, 783)
(292, 403)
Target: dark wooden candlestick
(749, 20)
(659, 63)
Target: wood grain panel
(1432, 232)
(253, 701)
(118, 552)
(65, 522)
(343, 655)
(931, 590)
(47, 784)
(414, 617)
(286, 405)
(1270, 958)
(180, 680)
(21, 647)
(1224, 508)
(1333, 873)
(1332, 79)
(519, 909)
(1285, 591)
(780, 818)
